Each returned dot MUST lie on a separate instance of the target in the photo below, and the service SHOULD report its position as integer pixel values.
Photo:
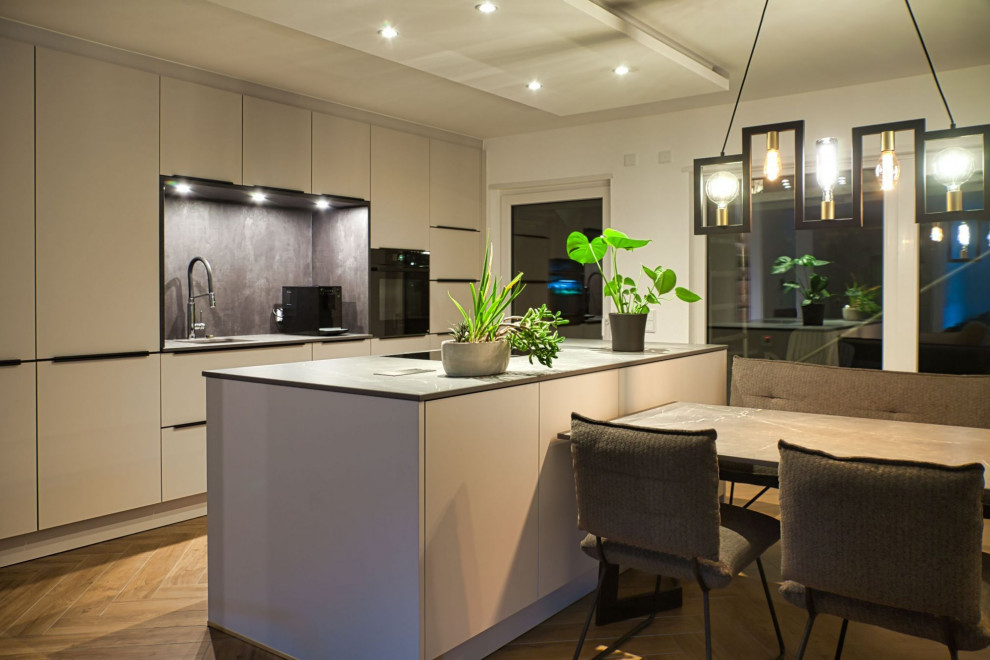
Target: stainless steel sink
(213, 340)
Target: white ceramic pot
(468, 360)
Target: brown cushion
(908, 397)
(901, 534)
(744, 535)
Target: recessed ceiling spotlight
(534, 85)
(258, 197)
(620, 70)
(486, 7)
(183, 188)
(389, 32)
(322, 204)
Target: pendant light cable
(952, 122)
(746, 73)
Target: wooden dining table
(748, 436)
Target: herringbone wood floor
(144, 596)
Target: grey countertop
(423, 380)
(251, 341)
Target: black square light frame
(748, 133)
(858, 133)
(700, 228)
(922, 170)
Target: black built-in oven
(399, 292)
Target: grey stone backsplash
(255, 251)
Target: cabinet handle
(476, 231)
(101, 356)
(454, 279)
(186, 425)
(10, 363)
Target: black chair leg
(842, 639)
(591, 612)
(773, 612)
(807, 635)
(732, 490)
(708, 628)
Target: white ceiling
(459, 70)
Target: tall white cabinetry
(18, 478)
(201, 131)
(400, 190)
(16, 201)
(278, 143)
(99, 448)
(97, 207)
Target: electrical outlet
(651, 321)
(629, 160)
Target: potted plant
(632, 303)
(808, 282)
(482, 342)
(862, 302)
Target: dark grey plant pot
(628, 332)
(813, 314)
(469, 360)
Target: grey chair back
(908, 397)
(902, 534)
(649, 488)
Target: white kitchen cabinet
(455, 185)
(201, 131)
(400, 190)
(183, 462)
(594, 395)
(16, 200)
(183, 385)
(18, 457)
(481, 512)
(329, 350)
(341, 156)
(99, 441)
(437, 340)
(400, 345)
(696, 379)
(455, 254)
(97, 207)
(443, 313)
(278, 144)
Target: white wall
(653, 200)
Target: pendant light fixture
(771, 164)
(963, 238)
(827, 173)
(888, 167)
(722, 188)
(936, 234)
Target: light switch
(665, 157)
(629, 160)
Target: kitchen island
(373, 507)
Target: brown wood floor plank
(153, 573)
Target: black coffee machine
(309, 310)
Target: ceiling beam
(643, 34)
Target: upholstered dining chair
(895, 544)
(648, 499)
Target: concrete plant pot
(469, 360)
(628, 332)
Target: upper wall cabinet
(201, 131)
(400, 190)
(455, 185)
(16, 200)
(278, 144)
(341, 157)
(97, 207)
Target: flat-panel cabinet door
(201, 131)
(16, 200)
(400, 345)
(183, 462)
(330, 350)
(400, 190)
(481, 512)
(695, 378)
(99, 441)
(443, 313)
(278, 143)
(97, 207)
(184, 386)
(455, 185)
(595, 395)
(341, 156)
(18, 456)
(455, 254)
